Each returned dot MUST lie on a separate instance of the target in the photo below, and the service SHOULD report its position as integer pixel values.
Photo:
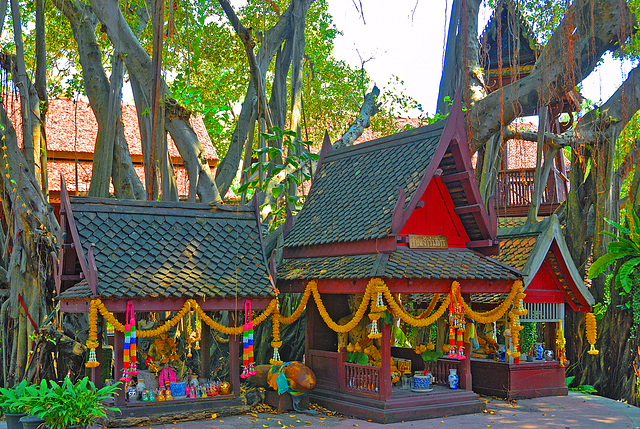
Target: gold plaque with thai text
(428, 242)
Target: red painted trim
(548, 296)
(447, 135)
(435, 215)
(65, 205)
(119, 305)
(385, 244)
(351, 286)
(565, 272)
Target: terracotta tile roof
(159, 249)
(516, 251)
(71, 132)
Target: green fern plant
(625, 249)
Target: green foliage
(283, 162)
(430, 355)
(625, 252)
(528, 336)
(359, 358)
(66, 404)
(12, 400)
(584, 388)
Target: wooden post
(385, 368)
(234, 362)
(96, 372)
(118, 347)
(342, 377)
(205, 351)
(465, 369)
(311, 315)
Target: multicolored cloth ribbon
(248, 367)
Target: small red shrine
(405, 211)
(552, 285)
(162, 257)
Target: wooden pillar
(465, 368)
(205, 351)
(96, 372)
(385, 368)
(234, 362)
(311, 315)
(550, 338)
(118, 347)
(342, 377)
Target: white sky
(406, 38)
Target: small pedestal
(283, 402)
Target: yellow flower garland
(591, 328)
(495, 314)
(342, 329)
(432, 305)
(411, 320)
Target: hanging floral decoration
(376, 293)
(591, 329)
(561, 344)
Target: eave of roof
(163, 250)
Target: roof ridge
(386, 141)
(108, 203)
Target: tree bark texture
(31, 229)
(569, 56)
(139, 67)
(111, 156)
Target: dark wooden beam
(119, 305)
(472, 208)
(457, 177)
(354, 286)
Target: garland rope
(375, 291)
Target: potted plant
(12, 403)
(65, 405)
(528, 337)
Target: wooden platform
(524, 380)
(403, 405)
(136, 413)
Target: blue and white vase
(539, 351)
(502, 353)
(453, 378)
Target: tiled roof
(157, 249)
(425, 264)
(354, 193)
(446, 265)
(79, 290)
(516, 251)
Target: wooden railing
(362, 378)
(440, 370)
(515, 187)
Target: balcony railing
(515, 187)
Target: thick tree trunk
(32, 228)
(569, 56)
(139, 67)
(105, 101)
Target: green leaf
(569, 380)
(601, 264)
(275, 192)
(625, 271)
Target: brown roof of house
(71, 135)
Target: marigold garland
(495, 314)
(561, 343)
(92, 340)
(432, 305)
(591, 329)
(342, 329)
(411, 320)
